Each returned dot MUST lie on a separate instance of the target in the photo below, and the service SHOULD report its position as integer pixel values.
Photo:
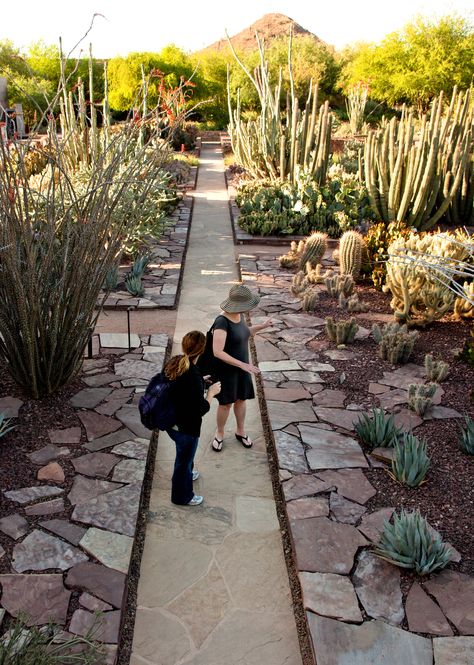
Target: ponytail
(176, 367)
(193, 344)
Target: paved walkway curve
(213, 586)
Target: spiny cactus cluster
(466, 439)
(292, 258)
(351, 248)
(395, 342)
(310, 300)
(378, 430)
(313, 251)
(420, 397)
(464, 307)
(418, 295)
(299, 284)
(340, 284)
(315, 275)
(352, 304)
(411, 462)
(410, 542)
(342, 332)
(436, 370)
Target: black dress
(236, 384)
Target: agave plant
(410, 542)
(466, 440)
(411, 461)
(5, 425)
(134, 285)
(378, 430)
(140, 264)
(111, 279)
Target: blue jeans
(182, 480)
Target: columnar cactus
(352, 304)
(299, 284)
(292, 258)
(464, 307)
(314, 249)
(279, 144)
(351, 247)
(414, 176)
(315, 276)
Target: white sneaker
(196, 500)
(196, 475)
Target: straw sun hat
(240, 299)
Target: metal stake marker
(89, 345)
(128, 328)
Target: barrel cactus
(314, 249)
(351, 250)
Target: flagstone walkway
(213, 586)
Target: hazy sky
(146, 25)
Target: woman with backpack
(187, 395)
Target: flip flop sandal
(244, 440)
(217, 444)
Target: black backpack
(207, 362)
(156, 407)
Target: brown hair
(193, 344)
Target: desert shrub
(378, 238)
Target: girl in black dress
(232, 367)
(187, 394)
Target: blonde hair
(193, 344)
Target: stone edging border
(92, 558)
(336, 576)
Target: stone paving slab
(371, 643)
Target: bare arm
(218, 342)
(260, 326)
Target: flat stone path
(213, 583)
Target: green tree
(416, 64)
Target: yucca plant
(410, 542)
(5, 425)
(134, 285)
(436, 370)
(378, 430)
(411, 461)
(466, 440)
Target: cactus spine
(464, 306)
(315, 276)
(299, 284)
(340, 284)
(310, 300)
(351, 247)
(292, 258)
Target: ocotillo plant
(276, 145)
(414, 177)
